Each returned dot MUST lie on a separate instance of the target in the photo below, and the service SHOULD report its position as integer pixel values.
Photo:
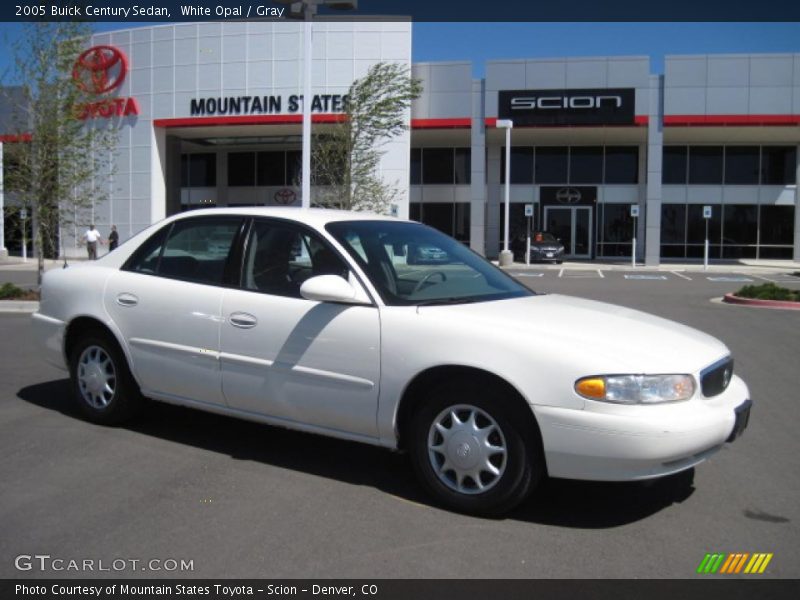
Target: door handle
(242, 320)
(126, 299)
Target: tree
(345, 159)
(64, 167)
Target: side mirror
(329, 288)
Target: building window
(741, 165)
(551, 164)
(616, 230)
(451, 218)
(441, 165)
(705, 165)
(271, 168)
(777, 231)
(734, 231)
(621, 164)
(673, 230)
(778, 165)
(241, 169)
(437, 165)
(199, 170)
(675, 164)
(521, 164)
(739, 231)
(463, 166)
(415, 172)
(586, 164)
(415, 211)
(294, 167)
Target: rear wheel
(472, 449)
(101, 381)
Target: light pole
(306, 9)
(506, 256)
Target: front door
(573, 226)
(293, 359)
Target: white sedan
(341, 324)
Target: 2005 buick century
(339, 323)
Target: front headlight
(636, 389)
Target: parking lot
(241, 499)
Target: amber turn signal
(591, 387)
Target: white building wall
(170, 65)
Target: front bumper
(48, 333)
(537, 255)
(606, 442)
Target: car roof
(316, 217)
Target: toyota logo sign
(285, 196)
(100, 69)
(568, 195)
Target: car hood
(612, 338)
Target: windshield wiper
(452, 300)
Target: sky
(478, 42)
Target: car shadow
(558, 502)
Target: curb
(19, 306)
(785, 304)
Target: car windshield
(544, 237)
(412, 264)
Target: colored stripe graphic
(734, 563)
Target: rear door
(167, 302)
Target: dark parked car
(544, 247)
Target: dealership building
(209, 114)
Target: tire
(500, 418)
(101, 381)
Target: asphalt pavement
(246, 500)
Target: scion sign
(611, 106)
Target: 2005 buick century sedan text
(327, 322)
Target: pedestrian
(113, 239)
(92, 237)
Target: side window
(280, 257)
(145, 258)
(197, 249)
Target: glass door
(573, 226)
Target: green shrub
(8, 291)
(769, 291)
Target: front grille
(715, 379)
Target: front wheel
(101, 381)
(472, 449)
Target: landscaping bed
(766, 295)
(9, 291)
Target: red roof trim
(247, 120)
(14, 138)
(723, 120)
(459, 123)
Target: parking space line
(561, 273)
(581, 274)
(540, 274)
(734, 278)
(680, 275)
(764, 278)
(599, 272)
